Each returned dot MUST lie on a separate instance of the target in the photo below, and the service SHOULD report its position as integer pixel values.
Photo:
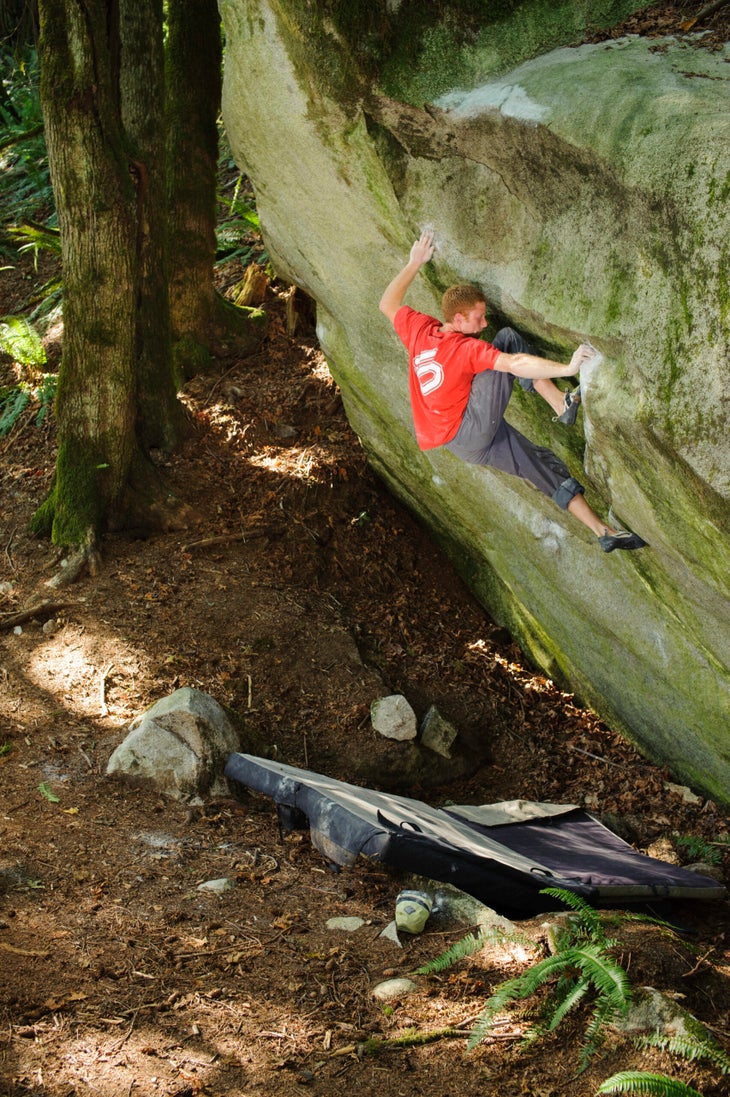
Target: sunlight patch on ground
(92, 671)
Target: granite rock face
(585, 189)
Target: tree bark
(194, 57)
(96, 204)
(116, 397)
(202, 320)
(160, 418)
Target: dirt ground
(302, 592)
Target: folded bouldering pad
(503, 854)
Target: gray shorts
(484, 438)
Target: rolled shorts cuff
(526, 384)
(567, 491)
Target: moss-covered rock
(586, 191)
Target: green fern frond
(467, 946)
(575, 995)
(589, 917)
(698, 1044)
(605, 1011)
(36, 237)
(12, 405)
(20, 340)
(636, 1081)
(608, 977)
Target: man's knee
(510, 341)
(567, 491)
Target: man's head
(464, 309)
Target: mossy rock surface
(585, 189)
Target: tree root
(86, 558)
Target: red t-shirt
(442, 368)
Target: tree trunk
(160, 419)
(116, 395)
(97, 215)
(194, 56)
(202, 320)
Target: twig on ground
(227, 538)
(104, 711)
(42, 609)
(8, 555)
(597, 757)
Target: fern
(576, 993)
(597, 970)
(637, 1081)
(467, 946)
(696, 1044)
(20, 340)
(13, 403)
(590, 919)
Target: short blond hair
(460, 299)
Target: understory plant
(21, 342)
(581, 969)
(641, 1082)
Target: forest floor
(301, 593)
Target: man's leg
(483, 417)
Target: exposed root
(87, 558)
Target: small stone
(393, 717)
(687, 794)
(437, 733)
(394, 988)
(349, 925)
(217, 887)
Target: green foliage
(637, 1081)
(25, 185)
(696, 848)
(580, 969)
(13, 403)
(20, 340)
(238, 233)
(589, 924)
(467, 946)
(696, 1043)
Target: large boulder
(585, 190)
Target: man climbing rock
(460, 387)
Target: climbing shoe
(571, 403)
(621, 540)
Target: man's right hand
(423, 249)
(584, 353)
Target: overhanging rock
(586, 191)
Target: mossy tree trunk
(96, 202)
(102, 82)
(106, 95)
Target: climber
(460, 387)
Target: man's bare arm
(529, 365)
(421, 253)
